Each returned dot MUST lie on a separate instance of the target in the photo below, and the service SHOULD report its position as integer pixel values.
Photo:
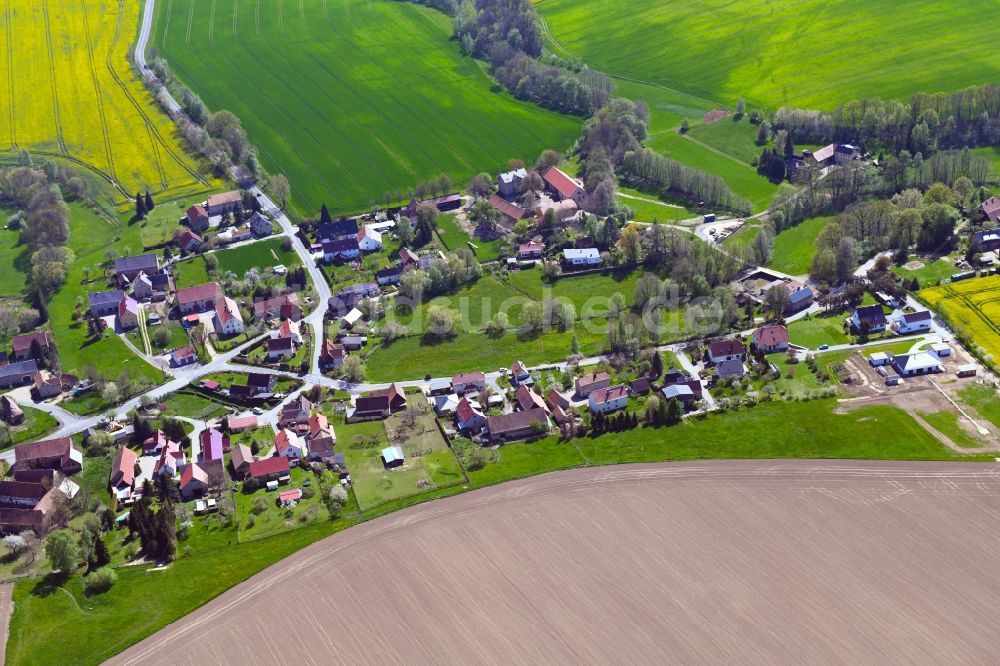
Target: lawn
(932, 273)
(36, 425)
(193, 405)
(722, 50)
(983, 398)
(259, 514)
(971, 308)
(69, 90)
(947, 423)
(816, 330)
(794, 247)
(14, 256)
(453, 237)
(646, 208)
(347, 112)
(158, 227)
(262, 254)
(428, 461)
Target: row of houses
(872, 318)
(39, 479)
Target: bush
(259, 506)
(101, 580)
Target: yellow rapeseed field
(67, 90)
(971, 307)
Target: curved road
(715, 561)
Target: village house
(369, 240)
(353, 342)
(608, 399)
(987, 240)
(469, 381)
(121, 483)
(555, 399)
(446, 404)
(288, 444)
(331, 355)
(369, 409)
(128, 313)
(172, 456)
(194, 482)
(349, 297)
(241, 457)
(730, 367)
(587, 384)
(260, 226)
(639, 386)
(227, 320)
(395, 394)
(18, 373)
(104, 303)
(527, 399)
(511, 212)
(280, 349)
(220, 204)
(517, 425)
(770, 339)
(588, 256)
(913, 322)
(509, 182)
(564, 210)
(22, 344)
(189, 241)
(290, 329)
(57, 454)
(342, 228)
(342, 249)
(10, 412)
(199, 298)
(919, 363)
(197, 218)
(153, 444)
(295, 411)
(822, 157)
(285, 306)
(213, 444)
(726, 350)
(275, 468)
(238, 424)
(45, 385)
(682, 393)
(530, 250)
(391, 275)
(563, 186)
(183, 356)
(321, 438)
(519, 374)
(468, 417)
(152, 287)
(128, 268)
(872, 316)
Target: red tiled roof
(507, 208)
(768, 336)
(22, 343)
(225, 198)
(562, 183)
(199, 292)
(528, 399)
(290, 495)
(193, 472)
(464, 410)
(240, 422)
(196, 212)
(593, 378)
(729, 347)
(268, 466)
(226, 309)
(532, 246)
(123, 468)
(601, 396)
(468, 378)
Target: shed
(392, 456)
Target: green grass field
(453, 237)
(948, 424)
(14, 257)
(351, 100)
(983, 399)
(932, 273)
(813, 331)
(795, 246)
(780, 52)
(262, 254)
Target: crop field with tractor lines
(67, 91)
(351, 100)
(776, 53)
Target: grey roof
(800, 294)
(137, 263)
(678, 391)
(19, 368)
(873, 314)
(923, 315)
(731, 368)
(509, 176)
(106, 297)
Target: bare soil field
(749, 562)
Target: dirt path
(706, 562)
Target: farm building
(199, 298)
(104, 303)
(517, 425)
(509, 183)
(990, 209)
(564, 186)
(987, 240)
(220, 204)
(511, 212)
(58, 454)
(342, 228)
(588, 256)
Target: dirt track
(779, 562)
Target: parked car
(824, 346)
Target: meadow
(776, 53)
(972, 308)
(352, 100)
(794, 247)
(69, 93)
